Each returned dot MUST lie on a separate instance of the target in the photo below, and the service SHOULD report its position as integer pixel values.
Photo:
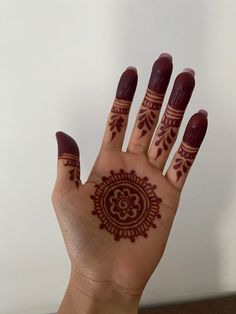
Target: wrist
(84, 296)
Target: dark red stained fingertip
(196, 129)
(66, 144)
(127, 84)
(182, 90)
(161, 73)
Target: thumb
(68, 164)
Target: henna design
(187, 155)
(119, 108)
(168, 129)
(126, 205)
(151, 104)
(72, 161)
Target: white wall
(60, 61)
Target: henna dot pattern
(126, 205)
(72, 161)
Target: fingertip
(131, 67)
(190, 71)
(161, 73)
(182, 90)
(203, 111)
(196, 130)
(165, 55)
(66, 144)
(127, 84)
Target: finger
(148, 115)
(184, 158)
(68, 164)
(118, 118)
(167, 131)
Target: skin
(109, 276)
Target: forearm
(82, 297)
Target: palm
(116, 225)
(93, 249)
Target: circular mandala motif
(126, 204)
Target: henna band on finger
(68, 152)
(124, 96)
(173, 115)
(158, 82)
(192, 139)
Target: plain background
(60, 61)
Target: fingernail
(66, 144)
(195, 130)
(203, 112)
(131, 68)
(127, 85)
(165, 55)
(190, 71)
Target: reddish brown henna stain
(158, 82)
(126, 205)
(68, 151)
(72, 161)
(124, 96)
(179, 98)
(192, 139)
(168, 129)
(150, 107)
(196, 129)
(119, 109)
(184, 162)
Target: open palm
(116, 225)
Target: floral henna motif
(184, 162)
(119, 108)
(126, 205)
(72, 161)
(151, 105)
(168, 129)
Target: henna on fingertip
(182, 91)
(161, 73)
(196, 129)
(124, 96)
(173, 115)
(152, 102)
(127, 84)
(192, 139)
(68, 152)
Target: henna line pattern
(168, 129)
(184, 162)
(151, 105)
(70, 160)
(119, 108)
(126, 205)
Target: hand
(116, 225)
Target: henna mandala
(168, 129)
(119, 108)
(151, 104)
(187, 155)
(126, 205)
(70, 160)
